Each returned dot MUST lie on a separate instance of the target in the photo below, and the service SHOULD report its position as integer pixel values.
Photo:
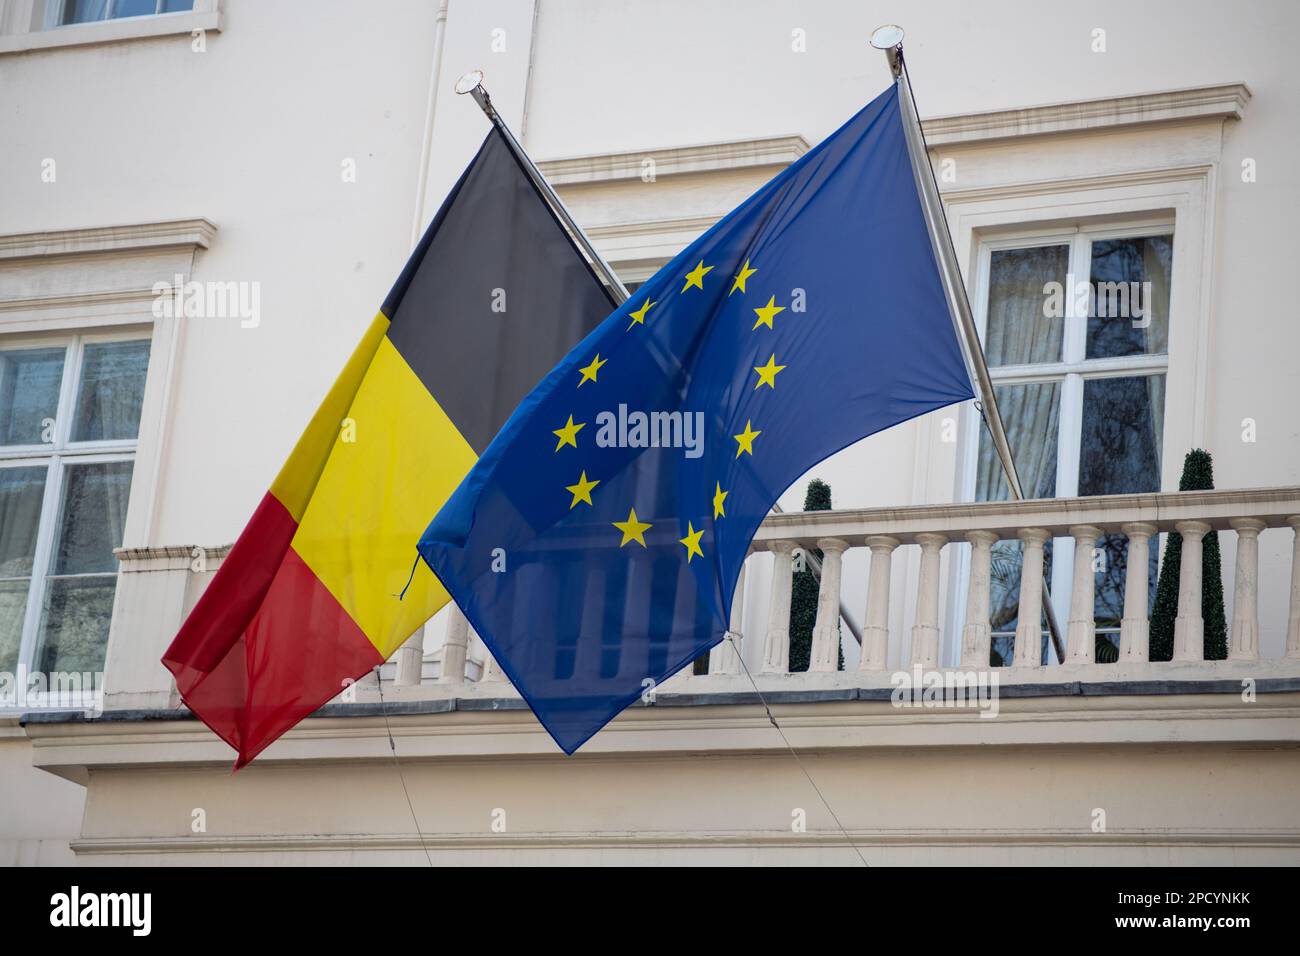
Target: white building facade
(275, 161)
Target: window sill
(112, 31)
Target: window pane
(91, 518)
(111, 391)
(29, 393)
(84, 11)
(1123, 421)
(1004, 599)
(133, 8)
(1018, 330)
(13, 604)
(21, 493)
(175, 6)
(1130, 284)
(1110, 567)
(74, 633)
(1031, 416)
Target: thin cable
(794, 753)
(392, 745)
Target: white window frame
(1072, 371)
(56, 456)
(34, 25)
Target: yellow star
(767, 373)
(589, 373)
(638, 317)
(581, 491)
(741, 277)
(745, 440)
(692, 542)
(633, 529)
(568, 434)
(719, 496)
(767, 313)
(696, 276)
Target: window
(1076, 332)
(69, 418)
(67, 12)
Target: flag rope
(794, 753)
(392, 745)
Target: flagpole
(890, 39)
(472, 83)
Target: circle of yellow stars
(633, 529)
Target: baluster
(825, 653)
(875, 635)
(976, 636)
(1029, 629)
(1245, 595)
(1189, 627)
(492, 672)
(725, 657)
(1293, 623)
(454, 647)
(590, 627)
(925, 632)
(409, 661)
(776, 648)
(1081, 635)
(1135, 627)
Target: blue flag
(596, 543)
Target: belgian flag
(494, 295)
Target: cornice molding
(688, 839)
(674, 161)
(196, 233)
(1222, 101)
(1162, 712)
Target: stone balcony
(1163, 747)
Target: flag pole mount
(889, 38)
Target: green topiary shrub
(803, 592)
(1198, 475)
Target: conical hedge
(1198, 475)
(803, 594)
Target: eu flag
(596, 543)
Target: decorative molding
(196, 233)
(1056, 187)
(1224, 101)
(552, 841)
(651, 227)
(674, 161)
(169, 558)
(1164, 712)
(638, 249)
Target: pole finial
(469, 82)
(890, 39)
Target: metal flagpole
(472, 83)
(889, 38)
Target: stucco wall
(39, 812)
(252, 134)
